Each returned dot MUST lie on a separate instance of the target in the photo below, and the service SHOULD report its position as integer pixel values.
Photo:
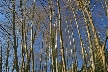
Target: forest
(53, 35)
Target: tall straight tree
(61, 37)
(7, 57)
(32, 39)
(106, 4)
(50, 43)
(14, 36)
(56, 34)
(23, 35)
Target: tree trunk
(56, 60)
(14, 35)
(7, 56)
(61, 38)
(106, 3)
(32, 39)
(51, 46)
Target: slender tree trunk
(23, 45)
(32, 50)
(7, 57)
(24, 38)
(103, 47)
(106, 3)
(47, 49)
(61, 38)
(46, 63)
(32, 39)
(23, 50)
(14, 35)
(41, 59)
(51, 46)
(56, 60)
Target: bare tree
(14, 35)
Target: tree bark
(61, 38)
(14, 35)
